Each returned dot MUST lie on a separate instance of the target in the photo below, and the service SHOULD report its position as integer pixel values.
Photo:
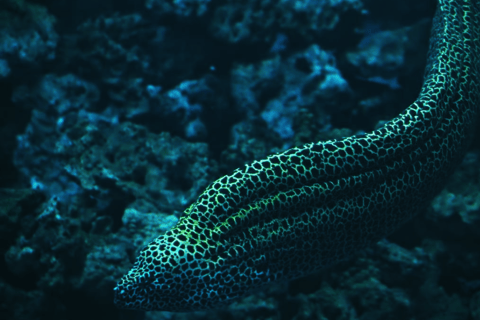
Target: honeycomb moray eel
(309, 207)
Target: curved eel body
(298, 211)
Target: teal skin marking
(309, 207)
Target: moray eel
(309, 207)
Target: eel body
(309, 207)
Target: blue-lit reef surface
(116, 115)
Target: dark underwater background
(115, 115)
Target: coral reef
(110, 128)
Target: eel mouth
(131, 297)
(122, 298)
(143, 296)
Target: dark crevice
(13, 120)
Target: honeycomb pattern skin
(309, 207)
